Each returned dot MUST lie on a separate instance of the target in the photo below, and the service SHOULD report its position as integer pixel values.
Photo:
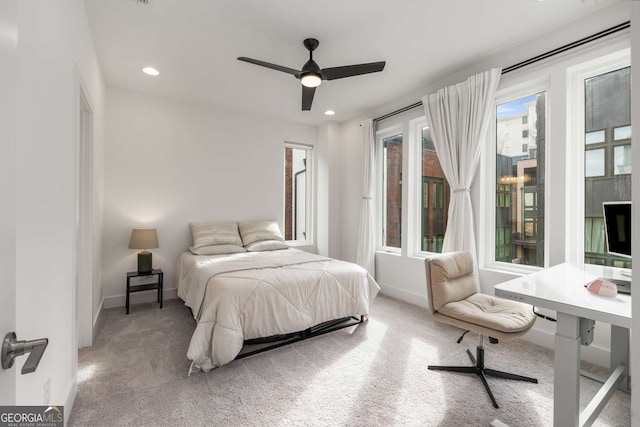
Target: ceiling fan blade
(287, 70)
(352, 70)
(307, 97)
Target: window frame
(487, 234)
(309, 193)
(576, 76)
(381, 200)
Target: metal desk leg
(620, 354)
(566, 377)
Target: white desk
(561, 288)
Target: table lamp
(144, 238)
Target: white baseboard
(70, 398)
(138, 297)
(593, 354)
(97, 321)
(401, 294)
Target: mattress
(242, 296)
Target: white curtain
(458, 118)
(366, 246)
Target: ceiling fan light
(311, 80)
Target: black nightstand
(147, 286)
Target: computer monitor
(617, 227)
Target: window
(435, 197)
(594, 137)
(525, 120)
(519, 182)
(297, 192)
(543, 206)
(413, 194)
(392, 191)
(607, 157)
(594, 238)
(594, 162)
(623, 132)
(622, 159)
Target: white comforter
(259, 294)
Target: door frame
(84, 221)
(8, 144)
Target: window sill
(517, 269)
(388, 252)
(424, 255)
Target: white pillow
(259, 231)
(217, 250)
(209, 234)
(266, 245)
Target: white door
(8, 83)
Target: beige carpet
(374, 374)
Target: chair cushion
(490, 312)
(451, 278)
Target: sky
(514, 107)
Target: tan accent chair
(454, 299)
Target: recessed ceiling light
(329, 112)
(151, 71)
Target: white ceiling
(194, 44)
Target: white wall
(328, 166)
(350, 196)
(402, 275)
(336, 182)
(170, 162)
(54, 41)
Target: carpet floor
(373, 374)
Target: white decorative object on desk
(603, 288)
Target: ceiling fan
(311, 75)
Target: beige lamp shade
(143, 238)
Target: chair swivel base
(482, 372)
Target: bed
(266, 290)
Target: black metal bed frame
(259, 345)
